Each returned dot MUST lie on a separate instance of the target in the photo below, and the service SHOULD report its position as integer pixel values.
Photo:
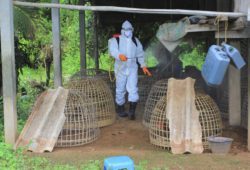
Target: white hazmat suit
(126, 72)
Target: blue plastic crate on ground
(118, 163)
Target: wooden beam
(239, 24)
(245, 33)
(8, 71)
(234, 93)
(82, 38)
(248, 95)
(200, 28)
(55, 12)
(132, 10)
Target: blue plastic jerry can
(118, 163)
(234, 54)
(215, 66)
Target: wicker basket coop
(210, 120)
(92, 72)
(80, 126)
(144, 85)
(158, 90)
(99, 97)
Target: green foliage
(193, 56)
(1, 120)
(142, 165)
(10, 159)
(91, 165)
(150, 59)
(106, 62)
(30, 74)
(23, 23)
(24, 106)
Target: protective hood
(127, 29)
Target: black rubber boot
(131, 113)
(121, 111)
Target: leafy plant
(192, 56)
(23, 22)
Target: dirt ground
(131, 138)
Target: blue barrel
(215, 66)
(234, 54)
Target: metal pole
(55, 12)
(133, 10)
(8, 71)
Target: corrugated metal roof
(45, 122)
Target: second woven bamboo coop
(103, 74)
(80, 126)
(158, 90)
(99, 97)
(210, 120)
(144, 85)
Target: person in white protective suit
(127, 50)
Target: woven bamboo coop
(99, 97)
(223, 104)
(80, 126)
(144, 85)
(210, 120)
(92, 72)
(158, 90)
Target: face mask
(128, 34)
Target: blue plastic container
(215, 66)
(118, 163)
(234, 54)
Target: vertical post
(55, 12)
(234, 93)
(248, 95)
(248, 14)
(248, 84)
(82, 38)
(96, 55)
(8, 71)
